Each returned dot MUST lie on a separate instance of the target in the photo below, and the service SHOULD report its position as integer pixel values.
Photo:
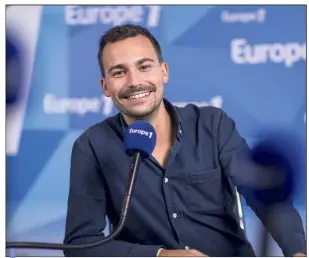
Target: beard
(139, 109)
(143, 114)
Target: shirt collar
(171, 109)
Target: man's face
(134, 77)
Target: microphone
(284, 152)
(139, 143)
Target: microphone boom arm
(125, 207)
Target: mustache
(135, 89)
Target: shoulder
(99, 133)
(207, 115)
(211, 120)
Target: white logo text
(243, 17)
(216, 101)
(141, 132)
(288, 53)
(79, 106)
(112, 15)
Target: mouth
(138, 95)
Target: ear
(165, 72)
(104, 87)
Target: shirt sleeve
(281, 219)
(86, 210)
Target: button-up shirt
(190, 203)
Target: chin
(139, 114)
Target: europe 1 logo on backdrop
(112, 15)
(285, 53)
(57, 105)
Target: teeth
(137, 96)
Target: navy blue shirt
(190, 203)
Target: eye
(118, 73)
(145, 68)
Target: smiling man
(135, 75)
(183, 199)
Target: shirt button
(174, 215)
(187, 247)
(166, 180)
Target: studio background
(248, 60)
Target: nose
(134, 78)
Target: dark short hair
(122, 32)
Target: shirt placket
(175, 215)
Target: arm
(286, 226)
(87, 209)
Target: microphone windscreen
(140, 137)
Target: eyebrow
(143, 60)
(138, 62)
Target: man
(182, 203)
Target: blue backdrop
(248, 60)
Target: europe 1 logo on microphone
(141, 132)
